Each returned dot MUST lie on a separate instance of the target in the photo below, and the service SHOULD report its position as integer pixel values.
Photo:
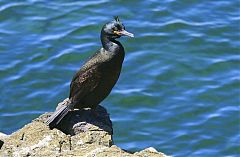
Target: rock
(150, 152)
(2, 137)
(1, 143)
(82, 133)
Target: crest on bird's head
(116, 18)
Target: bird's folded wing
(84, 82)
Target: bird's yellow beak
(123, 32)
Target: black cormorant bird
(96, 78)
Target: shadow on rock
(84, 120)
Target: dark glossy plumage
(96, 78)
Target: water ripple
(12, 5)
(86, 3)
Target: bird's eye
(115, 29)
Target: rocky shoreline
(82, 133)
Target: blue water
(179, 87)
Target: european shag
(96, 78)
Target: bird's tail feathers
(58, 115)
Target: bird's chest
(111, 72)
(112, 64)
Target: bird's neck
(111, 45)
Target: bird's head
(115, 29)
